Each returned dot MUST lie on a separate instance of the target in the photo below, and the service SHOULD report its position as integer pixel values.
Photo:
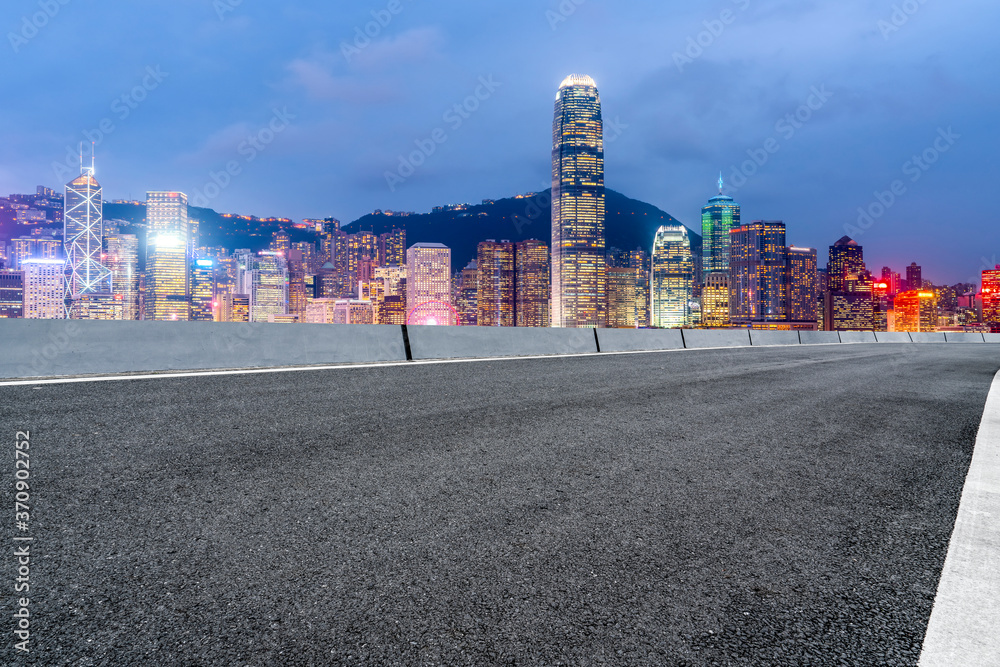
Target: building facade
(168, 287)
(672, 277)
(579, 277)
(428, 285)
(758, 274)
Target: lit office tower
(203, 290)
(991, 298)
(914, 277)
(915, 310)
(264, 278)
(34, 247)
(428, 284)
(122, 259)
(758, 273)
(718, 218)
(83, 225)
(531, 288)
(467, 295)
(715, 300)
(579, 279)
(167, 277)
(44, 289)
(495, 297)
(846, 258)
(11, 294)
(672, 281)
(802, 281)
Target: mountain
(629, 223)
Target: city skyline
(671, 131)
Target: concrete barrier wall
(892, 337)
(767, 338)
(428, 342)
(639, 340)
(37, 348)
(704, 338)
(857, 337)
(955, 337)
(819, 337)
(46, 348)
(927, 337)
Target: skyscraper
(718, 218)
(579, 279)
(467, 295)
(758, 273)
(495, 280)
(802, 284)
(203, 290)
(622, 301)
(991, 298)
(122, 259)
(167, 277)
(83, 236)
(672, 282)
(846, 259)
(915, 310)
(264, 278)
(392, 248)
(531, 289)
(428, 284)
(914, 277)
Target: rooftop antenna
(720, 182)
(81, 158)
(93, 170)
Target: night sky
(183, 84)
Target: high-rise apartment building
(168, 286)
(846, 259)
(34, 247)
(758, 274)
(672, 281)
(802, 280)
(11, 294)
(532, 289)
(392, 248)
(495, 297)
(718, 218)
(467, 295)
(44, 289)
(849, 303)
(428, 284)
(622, 299)
(579, 277)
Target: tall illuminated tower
(531, 287)
(83, 226)
(758, 273)
(718, 217)
(122, 259)
(495, 296)
(579, 273)
(991, 298)
(671, 286)
(167, 276)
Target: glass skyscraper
(672, 282)
(718, 218)
(83, 226)
(579, 277)
(168, 285)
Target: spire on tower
(92, 155)
(721, 182)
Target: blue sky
(309, 128)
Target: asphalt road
(781, 506)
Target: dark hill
(629, 223)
